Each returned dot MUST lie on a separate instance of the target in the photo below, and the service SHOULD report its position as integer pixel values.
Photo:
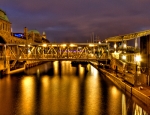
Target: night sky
(75, 20)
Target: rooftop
(3, 15)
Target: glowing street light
(54, 45)
(44, 45)
(63, 45)
(91, 45)
(72, 45)
(125, 46)
(124, 57)
(99, 42)
(138, 58)
(115, 45)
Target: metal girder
(76, 51)
(128, 36)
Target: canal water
(58, 88)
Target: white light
(63, 45)
(91, 45)
(115, 46)
(138, 58)
(44, 45)
(28, 50)
(54, 45)
(72, 45)
(125, 45)
(124, 57)
(99, 42)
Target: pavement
(144, 90)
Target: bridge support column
(7, 66)
(6, 61)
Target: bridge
(55, 51)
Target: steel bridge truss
(128, 36)
(76, 51)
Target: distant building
(7, 36)
(35, 36)
(5, 26)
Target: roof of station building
(34, 31)
(128, 36)
(3, 15)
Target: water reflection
(26, 100)
(57, 88)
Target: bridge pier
(7, 65)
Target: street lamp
(138, 58)
(124, 47)
(124, 57)
(115, 45)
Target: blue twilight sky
(75, 20)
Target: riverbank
(140, 92)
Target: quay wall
(135, 91)
(5, 68)
(123, 85)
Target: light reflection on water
(59, 89)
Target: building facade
(6, 35)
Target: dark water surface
(59, 89)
